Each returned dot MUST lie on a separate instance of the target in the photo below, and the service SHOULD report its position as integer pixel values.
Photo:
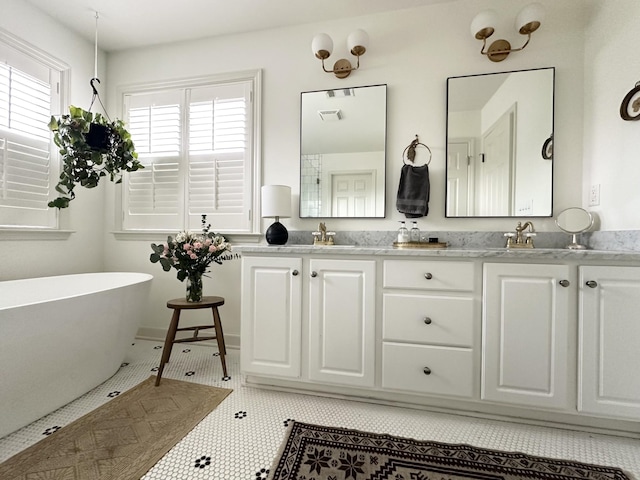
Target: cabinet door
(609, 353)
(271, 316)
(525, 335)
(342, 321)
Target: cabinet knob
(294, 273)
(564, 283)
(314, 274)
(426, 371)
(428, 276)
(427, 321)
(591, 284)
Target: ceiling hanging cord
(95, 74)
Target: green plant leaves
(84, 166)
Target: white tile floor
(239, 439)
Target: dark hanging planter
(98, 137)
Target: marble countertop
(516, 253)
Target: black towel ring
(409, 153)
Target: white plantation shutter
(152, 196)
(219, 155)
(29, 93)
(197, 147)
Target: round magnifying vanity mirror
(574, 221)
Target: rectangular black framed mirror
(500, 144)
(343, 152)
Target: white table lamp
(276, 203)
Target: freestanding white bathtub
(62, 336)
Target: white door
(270, 325)
(525, 335)
(609, 355)
(458, 169)
(495, 193)
(352, 195)
(342, 321)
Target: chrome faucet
(322, 237)
(521, 238)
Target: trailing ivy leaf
(60, 202)
(53, 124)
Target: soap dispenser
(414, 233)
(403, 233)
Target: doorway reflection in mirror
(496, 127)
(342, 153)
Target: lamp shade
(322, 45)
(276, 201)
(483, 24)
(358, 42)
(530, 18)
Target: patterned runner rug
(123, 438)
(312, 452)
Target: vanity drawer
(428, 319)
(454, 276)
(450, 370)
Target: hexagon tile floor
(240, 438)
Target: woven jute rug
(326, 453)
(120, 440)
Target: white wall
(413, 52)
(82, 252)
(612, 145)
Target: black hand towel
(413, 191)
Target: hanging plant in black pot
(98, 136)
(91, 147)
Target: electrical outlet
(594, 195)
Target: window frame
(49, 219)
(254, 77)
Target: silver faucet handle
(510, 236)
(529, 237)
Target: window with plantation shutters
(29, 95)
(196, 143)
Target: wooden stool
(179, 304)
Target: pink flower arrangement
(191, 253)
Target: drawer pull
(592, 284)
(427, 321)
(314, 274)
(294, 273)
(428, 276)
(426, 371)
(564, 283)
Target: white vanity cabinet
(271, 320)
(430, 326)
(541, 335)
(609, 339)
(331, 300)
(526, 335)
(342, 321)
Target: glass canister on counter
(403, 233)
(414, 233)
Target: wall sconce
(276, 203)
(527, 22)
(322, 46)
